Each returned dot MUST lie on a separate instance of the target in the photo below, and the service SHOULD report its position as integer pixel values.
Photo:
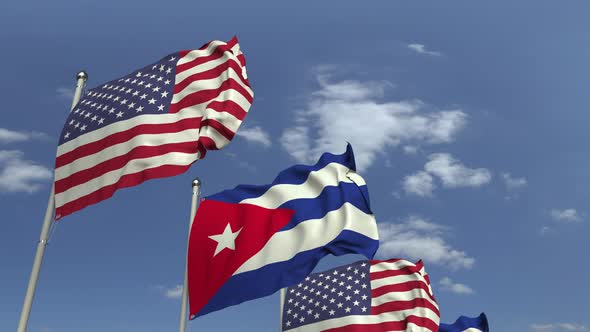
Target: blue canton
(145, 91)
(335, 293)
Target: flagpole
(194, 205)
(81, 78)
(282, 293)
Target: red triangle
(208, 272)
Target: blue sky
(469, 121)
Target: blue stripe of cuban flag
(467, 324)
(332, 216)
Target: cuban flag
(251, 241)
(467, 324)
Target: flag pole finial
(196, 183)
(82, 75)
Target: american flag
(370, 295)
(152, 123)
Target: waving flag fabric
(251, 241)
(467, 324)
(392, 295)
(152, 123)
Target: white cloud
(448, 285)
(449, 170)
(565, 215)
(420, 184)
(65, 93)
(172, 293)
(417, 238)
(454, 174)
(352, 111)
(544, 230)
(255, 135)
(240, 162)
(410, 149)
(558, 327)
(9, 136)
(513, 183)
(20, 175)
(421, 49)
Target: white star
(167, 82)
(67, 135)
(143, 96)
(83, 128)
(364, 309)
(168, 70)
(156, 89)
(152, 101)
(100, 121)
(226, 239)
(172, 58)
(120, 114)
(161, 108)
(140, 108)
(164, 94)
(332, 312)
(94, 118)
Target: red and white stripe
(211, 97)
(401, 300)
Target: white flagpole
(81, 78)
(194, 206)
(283, 291)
